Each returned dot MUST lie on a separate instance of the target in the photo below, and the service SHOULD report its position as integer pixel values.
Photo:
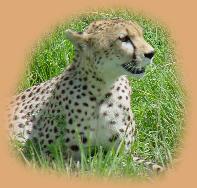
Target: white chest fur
(114, 114)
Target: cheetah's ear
(79, 39)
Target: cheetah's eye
(125, 39)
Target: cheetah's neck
(85, 70)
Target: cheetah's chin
(133, 70)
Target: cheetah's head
(116, 47)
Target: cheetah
(89, 102)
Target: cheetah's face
(136, 53)
(116, 46)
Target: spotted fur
(91, 98)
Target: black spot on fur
(74, 148)
(79, 110)
(129, 118)
(93, 98)
(55, 130)
(15, 117)
(50, 141)
(70, 82)
(83, 139)
(104, 113)
(112, 122)
(107, 95)
(73, 131)
(84, 87)
(85, 104)
(120, 97)
(70, 121)
(23, 97)
(78, 96)
(110, 104)
(113, 138)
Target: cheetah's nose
(149, 55)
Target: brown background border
(23, 22)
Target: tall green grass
(157, 100)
